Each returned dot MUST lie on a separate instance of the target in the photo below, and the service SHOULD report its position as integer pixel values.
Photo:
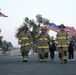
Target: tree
(34, 25)
(0, 39)
(6, 46)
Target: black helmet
(25, 28)
(62, 25)
(43, 28)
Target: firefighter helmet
(62, 25)
(25, 28)
(43, 28)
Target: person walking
(71, 50)
(25, 40)
(52, 48)
(63, 40)
(42, 45)
(74, 40)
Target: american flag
(53, 27)
(71, 30)
(2, 15)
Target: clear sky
(57, 11)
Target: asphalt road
(13, 65)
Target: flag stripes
(53, 27)
(71, 30)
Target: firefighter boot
(25, 58)
(41, 58)
(65, 60)
(65, 57)
(60, 57)
(45, 57)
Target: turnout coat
(25, 40)
(63, 40)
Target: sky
(57, 11)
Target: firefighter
(63, 40)
(25, 40)
(43, 47)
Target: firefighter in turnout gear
(63, 41)
(25, 40)
(43, 48)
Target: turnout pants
(62, 54)
(43, 56)
(25, 55)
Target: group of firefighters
(45, 44)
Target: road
(13, 65)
